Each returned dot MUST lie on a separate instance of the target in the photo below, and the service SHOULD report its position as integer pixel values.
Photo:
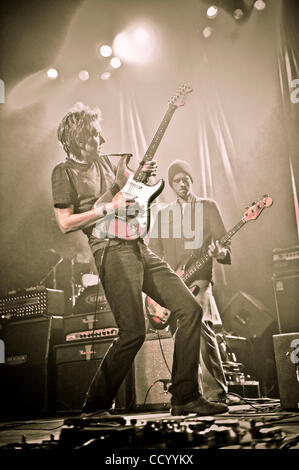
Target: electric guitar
(159, 316)
(118, 224)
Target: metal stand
(46, 365)
(73, 297)
(52, 271)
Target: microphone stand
(73, 297)
(51, 270)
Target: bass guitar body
(159, 317)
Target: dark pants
(128, 269)
(214, 383)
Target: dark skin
(67, 220)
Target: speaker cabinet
(28, 374)
(246, 316)
(286, 291)
(151, 372)
(286, 347)
(76, 364)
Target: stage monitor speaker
(76, 365)
(152, 376)
(286, 347)
(246, 316)
(286, 291)
(28, 374)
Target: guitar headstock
(179, 98)
(254, 211)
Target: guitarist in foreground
(86, 190)
(177, 253)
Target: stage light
(239, 9)
(52, 73)
(259, 5)
(83, 75)
(115, 62)
(141, 35)
(105, 50)
(238, 13)
(122, 45)
(212, 12)
(207, 32)
(105, 76)
(136, 44)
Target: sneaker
(201, 407)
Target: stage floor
(271, 428)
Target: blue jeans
(129, 268)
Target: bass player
(175, 250)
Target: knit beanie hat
(179, 166)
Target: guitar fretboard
(199, 264)
(149, 154)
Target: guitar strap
(196, 253)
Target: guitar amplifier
(32, 302)
(27, 377)
(286, 260)
(76, 365)
(88, 325)
(152, 372)
(286, 295)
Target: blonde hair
(74, 127)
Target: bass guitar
(119, 225)
(159, 316)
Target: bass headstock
(254, 211)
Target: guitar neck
(188, 276)
(149, 154)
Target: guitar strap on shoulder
(197, 251)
